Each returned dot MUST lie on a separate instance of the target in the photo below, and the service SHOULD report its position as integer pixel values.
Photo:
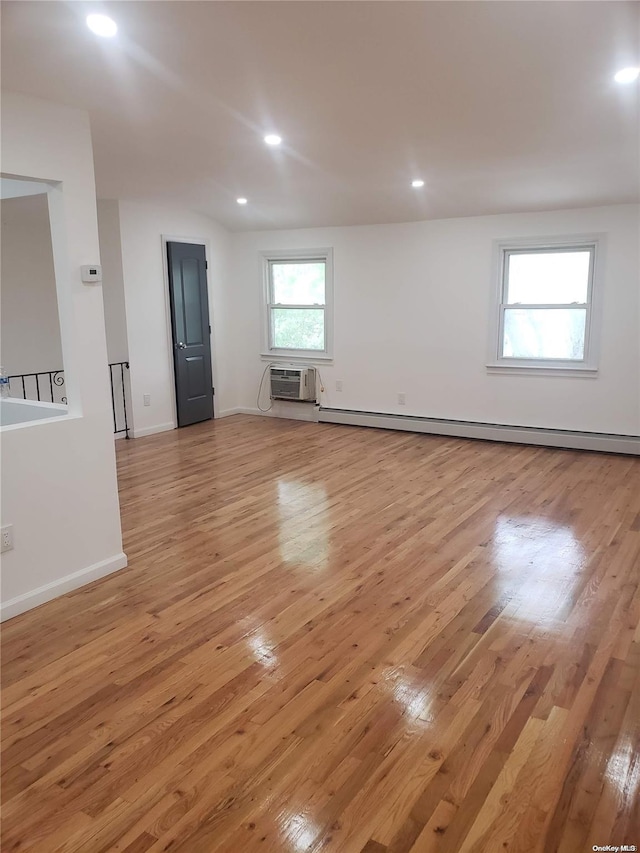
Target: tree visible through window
(297, 303)
(545, 304)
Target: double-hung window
(298, 290)
(545, 307)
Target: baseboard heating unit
(573, 440)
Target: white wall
(59, 479)
(30, 324)
(115, 315)
(142, 227)
(412, 311)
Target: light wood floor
(338, 639)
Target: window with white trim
(298, 292)
(545, 306)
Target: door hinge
(213, 391)
(206, 265)
(209, 328)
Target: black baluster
(124, 398)
(113, 401)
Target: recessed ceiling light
(273, 139)
(241, 200)
(627, 75)
(101, 25)
(417, 183)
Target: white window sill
(297, 357)
(580, 371)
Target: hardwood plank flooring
(338, 639)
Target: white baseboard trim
(226, 413)
(29, 600)
(285, 410)
(246, 410)
(288, 411)
(152, 430)
(253, 411)
(570, 439)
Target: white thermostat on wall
(91, 273)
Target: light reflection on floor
(416, 697)
(623, 771)
(418, 703)
(299, 831)
(298, 502)
(538, 561)
(263, 650)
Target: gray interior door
(191, 332)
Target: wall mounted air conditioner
(293, 383)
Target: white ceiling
(498, 106)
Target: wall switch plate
(91, 273)
(6, 538)
(146, 399)
(402, 398)
(339, 385)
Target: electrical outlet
(339, 385)
(402, 398)
(7, 538)
(146, 399)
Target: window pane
(548, 277)
(544, 333)
(298, 328)
(300, 283)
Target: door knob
(180, 345)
